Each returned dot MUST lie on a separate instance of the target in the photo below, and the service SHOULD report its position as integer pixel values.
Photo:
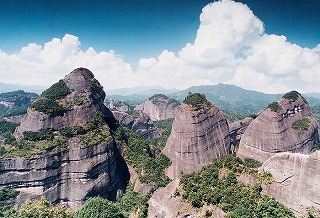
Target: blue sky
(174, 44)
(141, 28)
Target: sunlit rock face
(286, 125)
(159, 107)
(198, 136)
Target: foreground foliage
(208, 186)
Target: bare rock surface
(271, 132)
(237, 129)
(165, 204)
(159, 107)
(78, 170)
(85, 98)
(198, 136)
(141, 124)
(297, 180)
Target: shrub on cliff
(275, 106)
(302, 124)
(98, 207)
(196, 100)
(47, 103)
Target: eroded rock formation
(286, 125)
(238, 128)
(297, 180)
(140, 123)
(159, 107)
(199, 135)
(86, 164)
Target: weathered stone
(297, 180)
(141, 124)
(80, 83)
(159, 107)
(198, 136)
(271, 132)
(71, 175)
(237, 129)
(165, 203)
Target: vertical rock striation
(159, 107)
(199, 135)
(89, 162)
(286, 125)
(297, 180)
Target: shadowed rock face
(298, 180)
(159, 107)
(197, 137)
(80, 170)
(271, 132)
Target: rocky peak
(71, 101)
(285, 125)
(159, 107)
(199, 135)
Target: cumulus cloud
(231, 46)
(44, 65)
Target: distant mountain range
(229, 98)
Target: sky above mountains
(270, 46)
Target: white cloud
(230, 47)
(44, 65)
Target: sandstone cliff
(286, 125)
(159, 107)
(81, 96)
(298, 180)
(81, 160)
(141, 124)
(238, 128)
(199, 134)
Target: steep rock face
(159, 107)
(237, 129)
(85, 97)
(298, 179)
(88, 164)
(141, 124)
(271, 132)
(197, 137)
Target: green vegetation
(197, 100)
(6, 203)
(20, 100)
(72, 131)
(56, 91)
(238, 200)
(148, 162)
(13, 148)
(275, 106)
(98, 207)
(47, 103)
(252, 163)
(38, 136)
(161, 141)
(97, 93)
(7, 127)
(293, 96)
(156, 96)
(43, 209)
(302, 124)
(316, 147)
(312, 212)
